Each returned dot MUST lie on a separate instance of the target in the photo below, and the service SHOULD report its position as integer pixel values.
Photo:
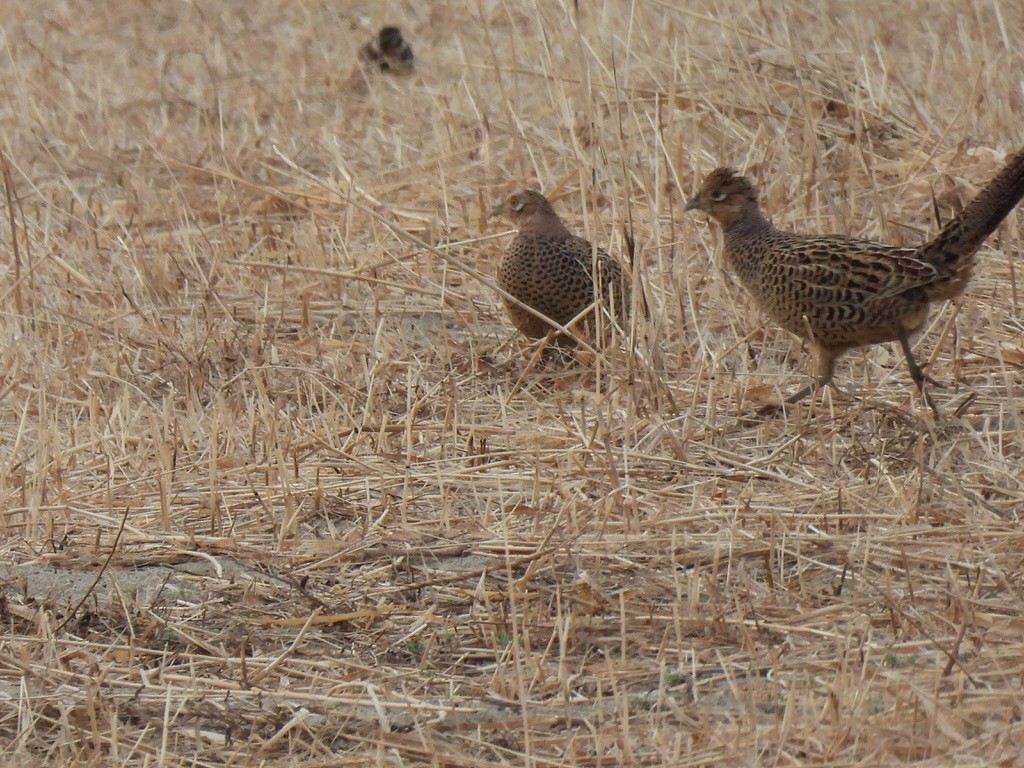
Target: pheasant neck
(745, 222)
(545, 226)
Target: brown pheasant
(840, 292)
(551, 270)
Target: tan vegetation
(279, 483)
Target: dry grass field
(279, 485)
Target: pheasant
(840, 292)
(548, 268)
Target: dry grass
(279, 487)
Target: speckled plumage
(841, 292)
(551, 270)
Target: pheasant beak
(496, 210)
(693, 204)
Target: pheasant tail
(963, 235)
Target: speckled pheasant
(390, 52)
(550, 269)
(839, 292)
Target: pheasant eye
(515, 204)
(718, 196)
